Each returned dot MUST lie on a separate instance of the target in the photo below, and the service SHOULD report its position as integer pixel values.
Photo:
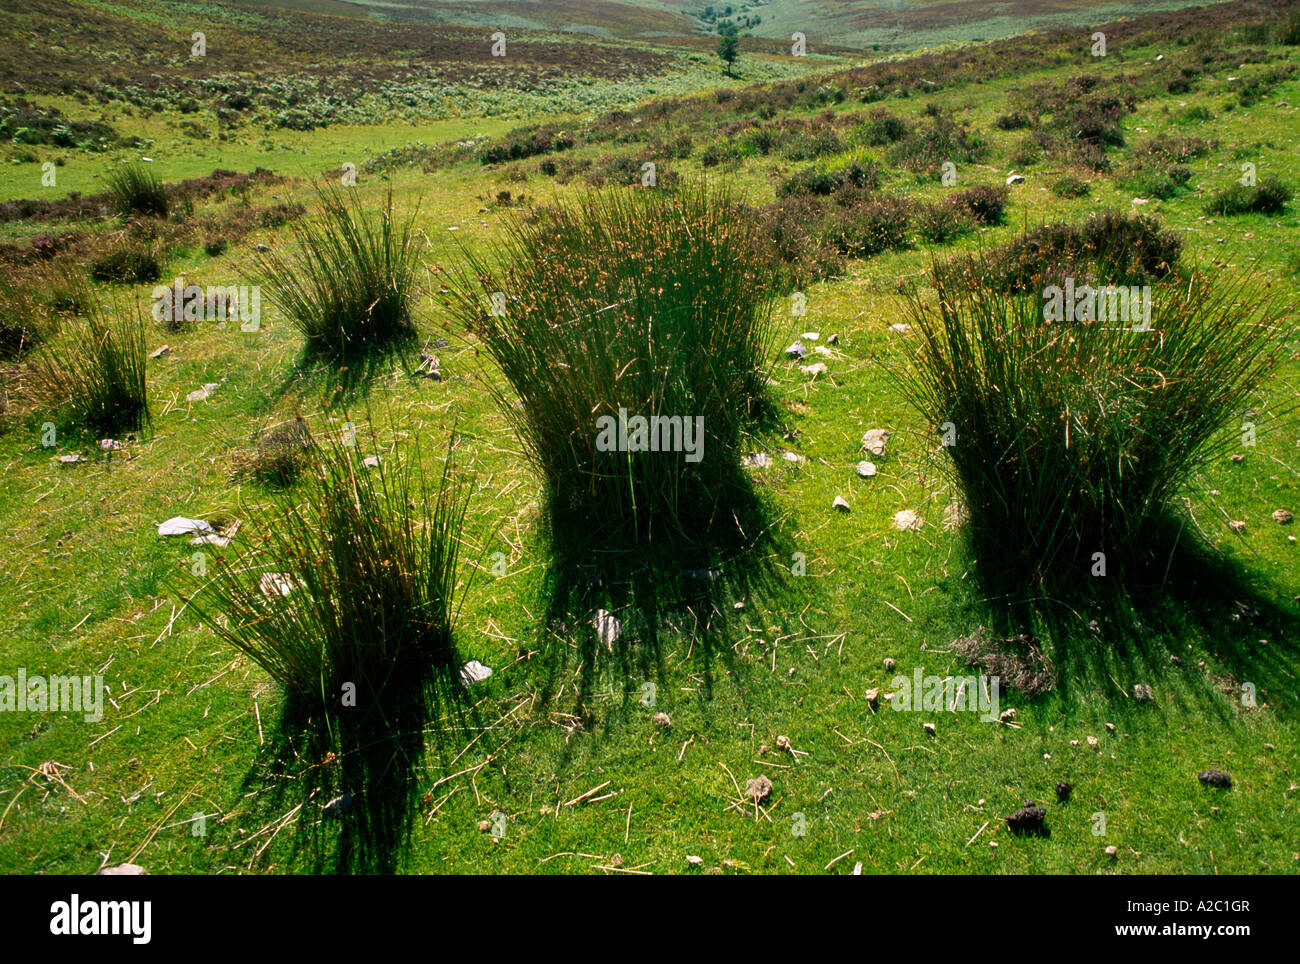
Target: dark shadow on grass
(338, 383)
(1155, 624)
(353, 775)
(676, 584)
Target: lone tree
(727, 51)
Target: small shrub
(1269, 196)
(128, 262)
(881, 128)
(871, 228)
(279, 456)
(1161, 182)
(214, 247)
(1069, 186)
(941, 223)
(984, 204)
(134, 189)
(1014, 121)
(351, 288)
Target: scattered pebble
(840, 504)
(608, 628)
(759, 460)
(757, 788)
(874, 441)
(796, 350)
(123, 870)
(160, 351)
(866, 469)
(1143, 693)
(181, 526)
(889, 663)
(693, 860)
(1015, 179)
(907, 520)
(1063, 789)
(1236, 525)
(1282, 517)
(474, 672)
(817, 368)
(929, 728)
(204, 393)
(1112, 851)
(339, 805)
(661, 719)
(873, 697)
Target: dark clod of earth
(1215, 778)
(1063, 790)
(1028, 821)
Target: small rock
(1110, 727)
(608, 628)
(1112, 851)
(757, 788)
(123, 870)
(866, 469)
(1237, 526)
(474, 672)
(1143, 693)
(1063, 789)
(1092, 741)
(1215, 778)
(873, 697)
(371, 461)
(1236, 457)
(429, 367)
(204, 393)
(822, 350)
(888, 663)
(908, 521)
(70, 459)
(817, 368)
(111, 445)
(661, 719)
(181, 526)
(1015, 179)
(277, 584)
(160, 351)
(796, 350)
(810, 336)
(833, 340)
(759, 460)
(263, 248)
(693, 860)
(840, 504)
(484, 826)
(1282, 517)
(1028, 821)
(874, 441)
(792, 457)
(929, 728)
(900, 328)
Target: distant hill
(884, 24)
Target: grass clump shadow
(346, 595)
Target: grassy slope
(84, 588)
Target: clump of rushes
(95, 373)
(643, 302)
(1073, 436)
(21, 326)
(1269, 196)
(352, 579)
(135, 190)
(351, 287)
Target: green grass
(198, 728)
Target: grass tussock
(134, 190)
(350, 580)
(350, 289)
(1072, 437)
(278, 458)
(641, 302)
(22, 322)
(94, 374)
